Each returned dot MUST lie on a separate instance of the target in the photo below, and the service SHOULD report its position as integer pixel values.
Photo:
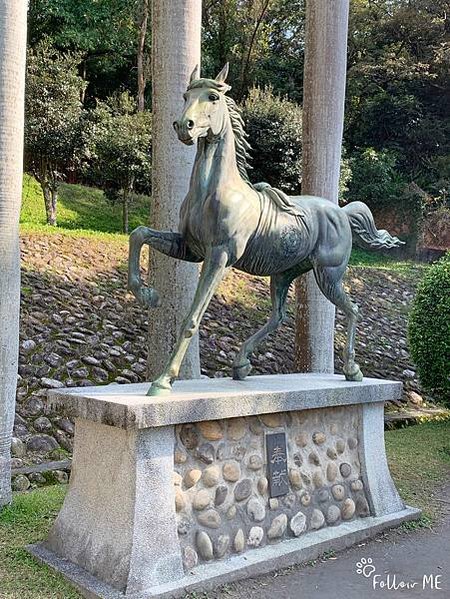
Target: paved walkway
(409, 556)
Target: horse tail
(365, 234)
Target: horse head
(205, 109)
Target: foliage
(54, 136)
(374, 178)
(274, 125)
(81, 210)
(429, 329)
(121, 151)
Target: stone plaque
(277, 464)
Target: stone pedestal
(171, 494)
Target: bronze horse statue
(226, 221)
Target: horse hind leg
(329, 280)
(279, 287)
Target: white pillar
(323, 118)
(176, 50)
(13, 24)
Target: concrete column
(323, 118)
(176, 27)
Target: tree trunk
(141, 74)
(13, 22)
(176, 29)
(323, 117)
(51, 201)
(125, 212)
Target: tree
(176, 29)
(323, 119)
(54, 137)
(142, 62)
(13, 23)
(121, 151)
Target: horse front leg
(167, 242)
(214, 268)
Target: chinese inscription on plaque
(277, 464)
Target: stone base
(253, 563)
(171, 494)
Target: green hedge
(429, 330)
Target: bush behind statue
(429, 330)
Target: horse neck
(215, 164)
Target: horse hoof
(159, 389)
(240, 372)
(149, 298)
(354, 374)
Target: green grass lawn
(419, 458)
(81, 210)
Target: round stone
(204, 545)
(177, 479)
(256, 510)
(332, 453)
(206, 453)
(42, 443)
(255, 426)
(356, 485)
(340, 446)
(231, 471)
(323, 495)
(274, 503)
(60, 477)
(231, 512)
(189, 436)
(302, 440)
(314, 458)
(20, 483)
(36, 478)
(211, 430)
(289, 500)
(180, 501)
(271, 420)
(362, 507)
(221, 546)
(263, 483)
(192, 477)
(298, 459)
(345, 469)
(306, 478)
(236, 428)
(239, 541)
(211, 476)
(348, 509)
(338, 492)
(42, 424)
(295, 478)
(278, 527)
(201, 499)
(317, 479)
(317, 519)
(18, 448)
(221, 495)
(255, 536)
(333, 514)
(298, 523)
(255, 462)
(184, 526)
(352, 442)
(180, 456)
(319, 438)
(210, 518)
(305, 499)
(334, 429)
(243, 489)
(332, 472)
(190, 558)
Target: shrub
(429, 330)
(274, 126)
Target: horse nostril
(175, 125)
(190, 124)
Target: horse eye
(213, 97)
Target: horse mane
(240, 139)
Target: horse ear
(222, 76)
(195, 74)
